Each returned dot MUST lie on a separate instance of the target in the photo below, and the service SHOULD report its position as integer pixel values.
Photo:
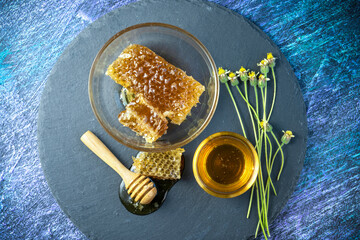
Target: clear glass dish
(178, 47)
(246, 172)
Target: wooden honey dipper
(139, 187)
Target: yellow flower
(233, 79)
(242, 70)
(263, 63)
(252, 79)
(271, 60)
(232, 75)
(285, 139)
(221, 71)
(263, 78)
(262, 81)
(222, 75)
(252, 74)
(264, 66)
(242, 73)
(288, 132)
(266, 126)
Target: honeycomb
(167, 88)
(162, 165)
(143, 119)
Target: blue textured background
(321, 40)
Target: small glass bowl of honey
(225, 164)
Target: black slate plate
(87, 189)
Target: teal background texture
(321, 41)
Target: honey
(143, 119)
(162, 186)
(163, 91)
(167, 88)
(225, 164)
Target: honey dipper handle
(99, 148)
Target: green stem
(270, 150)
(265, 99)
(282, 155)
(257, 100)
(260, 169)
(272, 161)
(251, 116)
(236, 108)
(262, 98)
(257, 108)
(261, 187)
(251, 197)
(249, 106)
(271, 165)
(259, 212)
(268, 172)
(266, 153)
(268, 198)
(274, 95)
(269, 181)
(258, 149)
(266, 157)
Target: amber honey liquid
(225, 164)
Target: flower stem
(258, 149)
(257, 109)
(266, 157)
(274, 95)
(269, 181)
(265, 98)
(249, 106)
(282, 155)
(250, 201)
(257, 100)
(263, 216)
(259, 212)
(236, 108)
(264, 103)
(266, 154)
(272, 161)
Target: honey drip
(162, 186)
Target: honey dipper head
(142, 189)
(149, 196)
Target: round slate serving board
(87, 189)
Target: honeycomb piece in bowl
(143, 119)
(165, 87)
(161, 165)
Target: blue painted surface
(319, 38)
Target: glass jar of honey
(225, 164)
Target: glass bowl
(179, 48)
(242, 175)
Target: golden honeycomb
(162, 165)
(143, 119)
(166, 88)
